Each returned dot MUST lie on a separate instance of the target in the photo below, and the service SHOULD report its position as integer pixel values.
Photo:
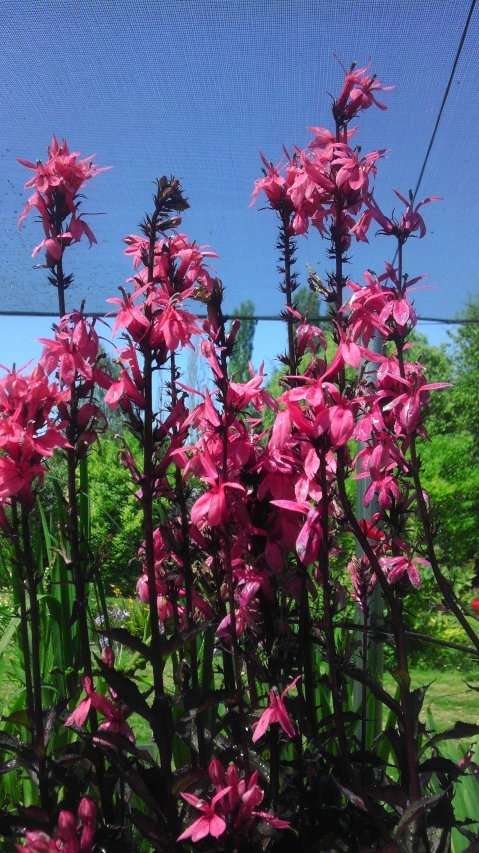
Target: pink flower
(311, 534)
(275, 185)
(124, 391)
(77, 228)
(240, 795)
(63, 172)
(130, 316)
(358, 93)
(397, 567)
(410, 221)
(28, 432)
(276, 713)
(363, 579)
(73, 351)
(408, 406)
(137, 248)
(275, 822)
(87, 813)
(53, 249)
(385, 487)
(213, 508)
(72, 834)
(37, 842)
(210, 823)
(172, 326)
(246, 615)
(341, 424)
(113, 712)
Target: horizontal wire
(269, 318)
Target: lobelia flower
(276, 713)
(210, 822)
(246, 615)
(57, 183)
(130, 316)
(385, 487)
(72, 834)
(275, 185)
(213, 508)
(114, 713)
(365, 307)
(363, 579)
(124, 392)
(358, 93)
(74, 350)
(233, 807)
(408, 407)
(28, 432)
(397, 567)
(172, 326)
(409, 223)
(310, 536)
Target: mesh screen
(197, 89)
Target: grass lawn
(448, 697)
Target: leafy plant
(241, 702)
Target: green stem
(19, 583)
(36, 668)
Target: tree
(243, 348)
(449, 460)
(465, 350)
(439, 367)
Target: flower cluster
(169, 580)
(114, 712)
(72, 834)
(234, 806)
(56, 184)
(329, 183)
(29, 431)
(247, 518)
(74, 356)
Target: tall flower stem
(288, 286)
(324, 568)
(413, 780)
(77, 566)
(38, 723)
(163, 726)
(187, 570)
(223, 383)
(58, 278)
(364, 666)
(325, 576)
(161, 733)
(287, 248)
(20, 589)
(81, 599)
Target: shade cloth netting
(198, 88)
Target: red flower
(276, 713)
(210, 823)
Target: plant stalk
(40, 746)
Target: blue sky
(197, 89)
